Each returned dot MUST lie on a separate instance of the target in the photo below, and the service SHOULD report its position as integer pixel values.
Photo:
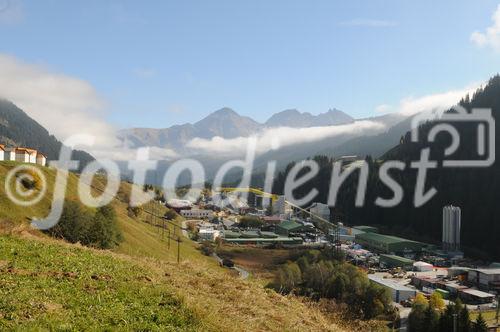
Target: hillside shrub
(77, 224)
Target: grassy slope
(49, 285)
(199, 294)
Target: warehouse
(473, 296)
(388, 244)
(391, 261)
(367, 229)
(399, 292)
(288, 226)
(486, 279)
(258, 237)
(422, 266)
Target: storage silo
(451, 227)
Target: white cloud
(272, 138)
(370, 23)
(491, 37)
(62, 104)
(434, 102)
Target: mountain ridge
(19, 129)
(228, 124)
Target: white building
(197, 214)
(422, 266)
(451, 227)
(488, 279)
(25, 155)
(41, 159)
(208, 234)
(399, 292)
(2, 152)
(9, 154)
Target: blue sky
(159, 63)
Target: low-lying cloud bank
(438, 102)
(275, 138)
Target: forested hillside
(475, 190)
(18, 129)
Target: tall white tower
(451, 227)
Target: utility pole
(163, 228)
(178, 249)
(168, 238)
(455, 323)
(498, 308)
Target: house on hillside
(25, 155)
(22, 155)
(9, 154)
(41, 159)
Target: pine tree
(431, 322)
(480, 324)
(464, 324)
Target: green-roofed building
(388, 244)
(250, 234)
(231, 234)
(395, 261)
(268, 235)
(367, 229)
(289, 226)
(266, 241)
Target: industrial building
(388, 244)
(474, 296)
(422, 266)
(399, 292)
(451, 227)
(367, 229)
(391, 261)
(486, 279)
(289, 226)
(258, 237)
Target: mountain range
(226, 123)
(302, 135)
